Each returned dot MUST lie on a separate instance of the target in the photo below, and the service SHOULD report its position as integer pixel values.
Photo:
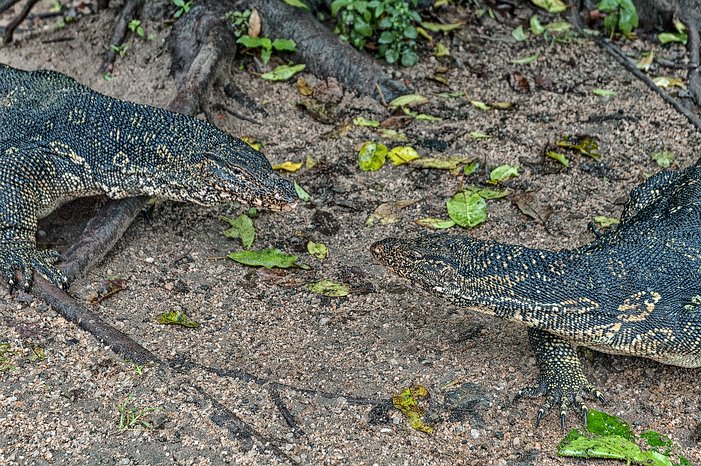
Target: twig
(7, 4)
(693, 79)
(286, 414)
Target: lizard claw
(26, 259)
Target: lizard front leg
(561, 379)
(26, 185)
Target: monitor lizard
(635, 290)
(61, 140)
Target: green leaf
(562, 158)
(409, 403)
(250, 42)
(470, 168)
(240, 227)
(265, 55)
(284, 45)
(536, 27)
(268, 258)
(669, 37)
(297, 4)
(479, 105)
(329, 288)
(602, 423)
(361, 121)
(372, 156)
(611, 447)
(301, 193)
(655, 439)
(603, 92)
(447, 163)
(605, 222)
(467, 209)
(558, 26)
(519, 34)
(176, 318)
(664, 158)
(318, 250)
(585, 145)
(392, 135)
(551, 6)
(442, 50)
(283, 72)
(526, 60)
(503, 173)
(488, 193)
(402, 154)
(409, 100)
(478, 136)
(435, 223)
(439, 27)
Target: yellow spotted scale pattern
(60, 140)
(635, 290)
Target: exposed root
(10, 29)
(325, 54)
(131, 10)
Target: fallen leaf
(402, 154)
(309, 162)
(562, 158)
(288, 166)
(318, 250)
(392, 135)
(303, 87)
(503, 173)
(467, 209)
(108, 288)
(605, 222)
(435, 223)
(603, 92)
(254, 23)
(645, 61)
(447, 163)
(240, 227)
(528, 206)
(441, 50)
(585, 145)
(301, 193)
(470, 168)
(409, 100)
(268, 258)
(297, 4)
(526, 60)
(372, 156)
(329, 288)
(409, 403)
(551, 6)
(519, 83)
(664, 158)
(176, 318)
(519, 34)
(388, 212)
(667, 81)
(487, 193)
(361, 121)
(479, 105)
(439, 27)
(478, 136)
(283, 72)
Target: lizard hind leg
(561, 379)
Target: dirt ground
(338, 354)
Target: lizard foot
(561, 379)
(562, 392)
(26, 258)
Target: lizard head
(425, 260)
(232, 171)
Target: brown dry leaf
(303, 87)
(528, 206)
(108, 288)
(323, 112)
(389, 212)
(328, 91)
(396, 121)
(280, 277)
(519, 83)
(254, 23)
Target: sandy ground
(385, 335)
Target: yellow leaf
(288, 166)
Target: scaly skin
(635, 290)
(61, 140)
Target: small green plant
(621, 15)
(267, 45)
(138, 369)
(390, 22)
(131, 417)
(6, 353)
(120, 50)
(239, 21)
(183, 7)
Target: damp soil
(339, 358)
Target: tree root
(10, 29)
(130, 11)
(325, 54)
